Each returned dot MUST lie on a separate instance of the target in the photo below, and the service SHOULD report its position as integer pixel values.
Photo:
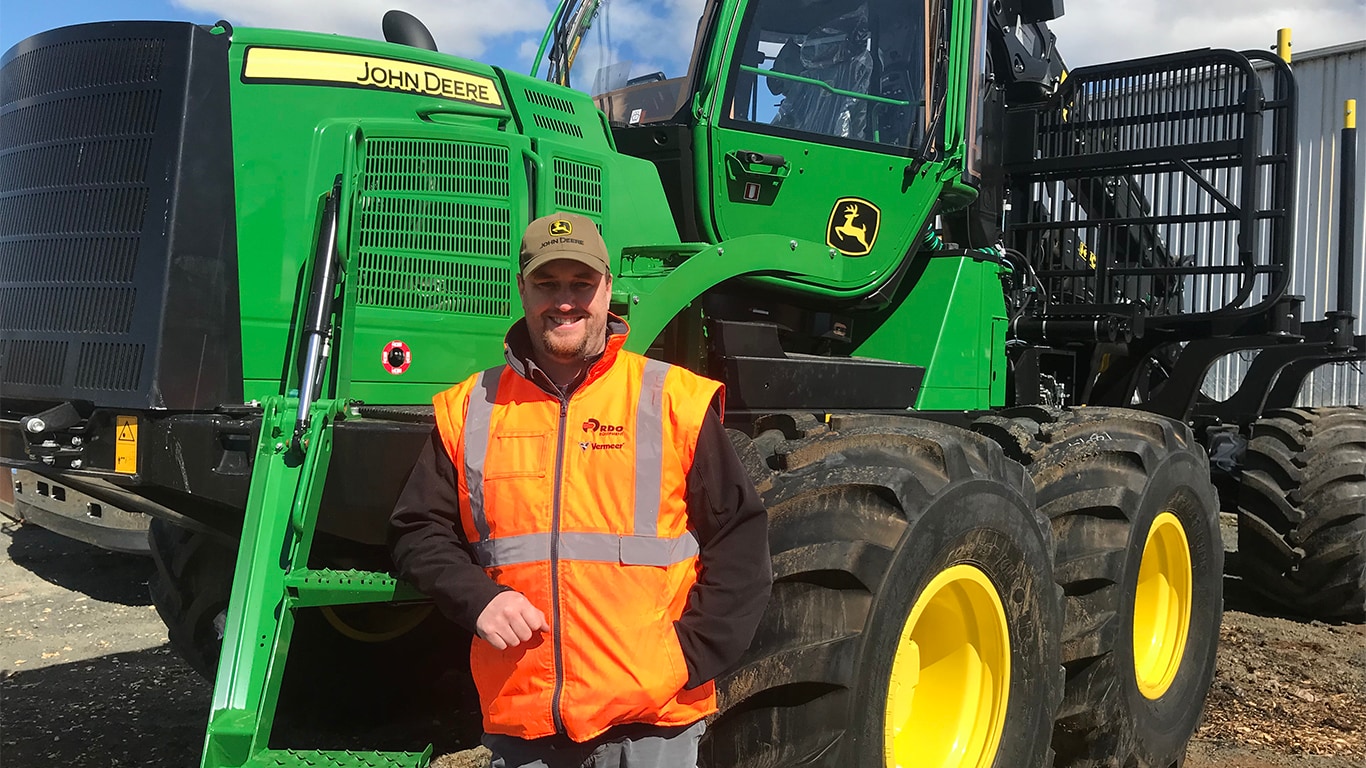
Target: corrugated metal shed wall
(1326, 79)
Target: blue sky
(21, 18)
(505, 32)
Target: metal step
(308, 588)
(298, 758)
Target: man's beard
(589, 344)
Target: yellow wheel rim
(946, 698)
(1162, 606)
(375, 623)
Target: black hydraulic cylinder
(1056, 330)
(1347, 213)
(317, 320)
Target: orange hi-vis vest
(580, 505)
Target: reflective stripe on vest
(596, 547)
(477, 423)
(644, 548)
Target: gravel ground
(86, 676)
(88, 681)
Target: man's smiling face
(565, 303)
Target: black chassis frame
(199, 465)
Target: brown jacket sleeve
(732, 589)
(427, 545)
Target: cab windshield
(632, 56)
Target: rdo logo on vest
(602, 437)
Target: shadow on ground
(150, 710)
(110, 577)
(142, 708)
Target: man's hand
(510, 620)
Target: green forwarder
(235, 265)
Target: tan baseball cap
(563, 236)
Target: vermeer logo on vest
(602, 437)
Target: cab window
(633, 58)
(851, 71)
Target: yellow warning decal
(288, 65)
(126, 444)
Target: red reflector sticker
(397, 357)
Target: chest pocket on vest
(517, 454)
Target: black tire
(1302, 512)
(1104, 476)
(190, 591)
(862, 517)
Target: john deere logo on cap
(560, 228)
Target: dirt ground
(88, 681)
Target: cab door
(818, 110)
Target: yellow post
(1283, 44)
(1349, 113)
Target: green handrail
(825, 86)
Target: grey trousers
(629, 746)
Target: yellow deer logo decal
(856, 235)
(847, 229)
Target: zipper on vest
(555, 569)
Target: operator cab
(852, 69)
(830, 93)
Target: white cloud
(528, 48)
(461, 27)
(1095, 31)
(1092, 31)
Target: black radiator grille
(73, 212)
(110, 366)
(104, 309)
(69, 260)
(122, 114)
(109, 161)
(74, 193)
(36, 363)
(82, 64)
(115, 202)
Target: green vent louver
(436, 167)
(558, 126)
(411, 282)
(435, 228)
(578, 187)
(549, 101)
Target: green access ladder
(271, 582)
(272, 579)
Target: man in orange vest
(582, 511)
